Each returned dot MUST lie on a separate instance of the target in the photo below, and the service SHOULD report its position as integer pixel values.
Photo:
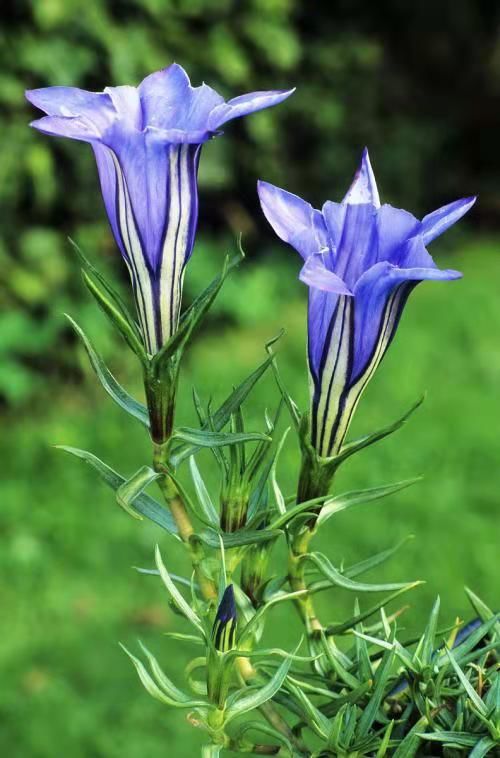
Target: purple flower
(361, 261)
(147, 143)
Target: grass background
(69, 592)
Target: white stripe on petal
(176, 238)
(353, 395)
(139, 273)
(334, 375)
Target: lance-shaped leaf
(238, 539)
(359, 497)
(255, 699)
(482, 610)
(162, 679)
(451, 739)
(483, 747)
(338, 579)
(178, 599)
(128, 492)
(289, 402)
(426, 647)
(343, 627)
(314, 718)
(356, 445)
(108, 381)
(111, 294)
(158, 692)
(462, 647)
(471, 692)
(206, 438)
(204, 498)
(117, 318)
(144, 504)
(375, 560)
(222, 415)
(370, 711)
(410, 745)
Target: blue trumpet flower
(361, 261)
(147, 143)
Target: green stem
(314, 482)
(207, 586)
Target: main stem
(207, 586)
(313, 483)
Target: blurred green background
(418, 83)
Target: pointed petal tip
(363, 189)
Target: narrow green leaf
(473, 639)
(239, 538)
(459, 739)
(108, 381)
(384, 745)
(483, 747)
(262, 695)
(154, 690)
(471, 692)
(289, 402)
(143, 504)
(206, 438)
(129, 491)
(221, 417)
(356, 445)
(350, 623)
(178, 599)
(410, 745)
(482, 609)
(326, 567)
(162, 679)
(359, 497)
(204, 498)
(111, 293)
(375, 560)
(109, 307)
(426, 648)
(371, 708)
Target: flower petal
(372, 297)
(294, 220)
(96, 108)
(439, 221)
(315, 274)
(170, 102)
(74, 128)
(245, 104)
(364, 187)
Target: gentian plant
(353, 688)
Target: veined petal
(170, 102)
(294, 220)
(331, 378)
(364, 187)
(439, 221)
(245, 104)
(372, 295)
(315, 274)
(74, 128)
(94, 109)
